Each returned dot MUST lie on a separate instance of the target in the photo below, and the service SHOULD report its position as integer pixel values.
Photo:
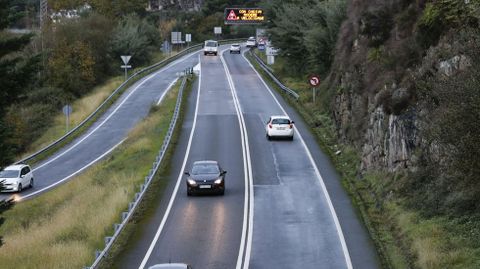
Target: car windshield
(9, 173)
(205, 168)
(280, 121)
(235, 45)
(211, 44)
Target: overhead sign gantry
(244, 16)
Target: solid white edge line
(169, 87)
(317, 172)
(247, 167)
(179, 180)
(75, 173)
(116, 109)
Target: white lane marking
(116, 109)
(346, 253)
(179, 180)
(169, 87)
(74, 174)
(247, 166)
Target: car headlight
(218, 181)
(191, 182)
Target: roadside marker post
(67, 110)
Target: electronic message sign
(244, 16)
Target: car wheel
(268, 137)
(31, 183)
(222, 192)
(19, 187)
(291, 138)
(189, 193)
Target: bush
(447, 179)
(442, 15)
(376, 26)
(136, 37)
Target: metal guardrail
(273, 77)
(114, 93)
(126, 216)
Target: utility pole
(43, 12)
(43, 20)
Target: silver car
(235, 48)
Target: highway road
(284, 206)
(107, 133)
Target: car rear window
(235, 45)
(280, 121)
(9, 173)
(199, 169)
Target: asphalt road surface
(104, 135)
(284, 206)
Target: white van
(210, 47)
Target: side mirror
(187, 173)
(22, 176)
(292, 122)
(223, 173)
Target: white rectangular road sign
(126, 66)
(176, 37)
(217, 30)
(188, 37)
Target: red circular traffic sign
(314, 80)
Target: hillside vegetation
(401, 92)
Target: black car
(206, 176)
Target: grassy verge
(404, 238)
(133, 230)
(63, 228)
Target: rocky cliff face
(187, 5)
(376, 107)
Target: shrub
(376, 26)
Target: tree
(136, 37)
(4, 206)
(305, 31)
(16, 72)
(118, 8)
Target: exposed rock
(454, 64)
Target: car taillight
(270, 126)
(291, 126)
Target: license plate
(205, 186)
(280, 128)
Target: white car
(210, 47)
(16, 178)
(279, 126)
(170, 266)
(251, 42)
(235, 48)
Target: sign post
(188, 38)
(67, 110)
(126, 59)
(217, 31)
(314, 81)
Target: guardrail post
(124, 216)
(137, 195)
(107, 240)
(116, 226)
(97, 253)
(130, 206)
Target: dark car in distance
(206, 177)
